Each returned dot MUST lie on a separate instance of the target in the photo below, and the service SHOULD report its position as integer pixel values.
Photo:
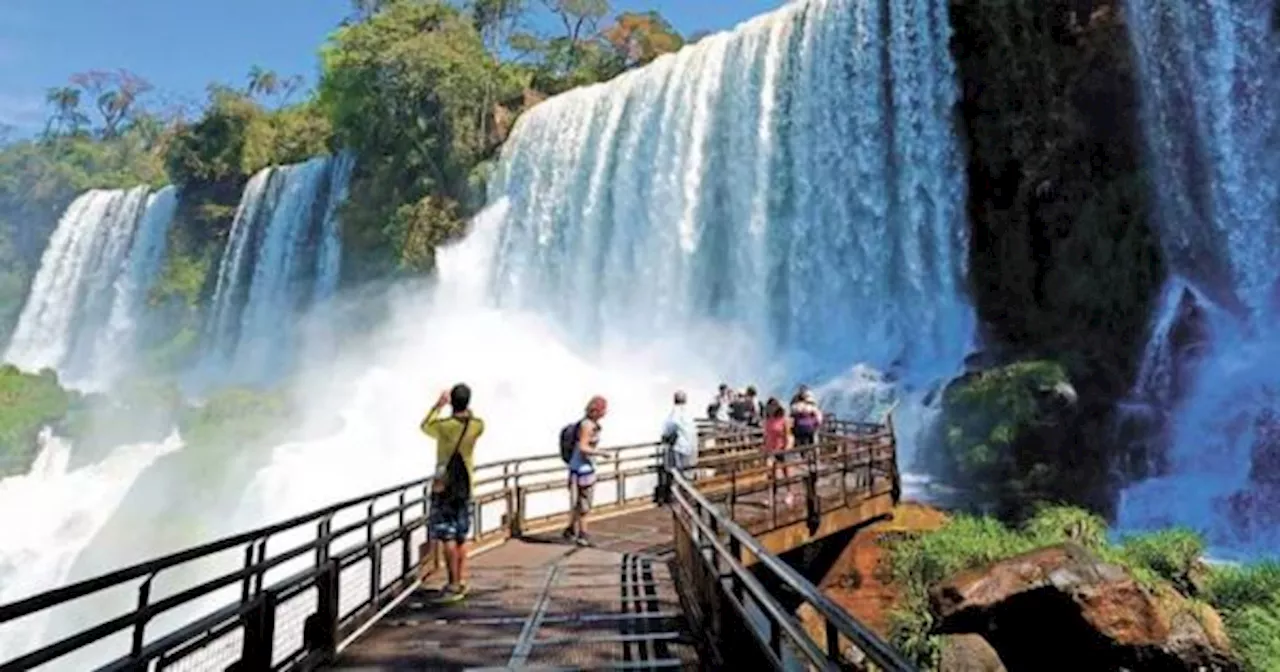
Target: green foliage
(1055, 524)
(234, 419)
(237, 137)
(1249, 600)
(990, 441)
(136, 410)
(412, 91)
(28, 403)
(1172, 555)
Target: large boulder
(1062, 608)
(1001, 437)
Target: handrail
(516, 478)
(875, 648)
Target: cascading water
(795, 183)
(87, 295)
(283, 256)
(1211, 74)
(49, 515)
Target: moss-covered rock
(28, 403)
(999, 435)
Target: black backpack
(457, 482)
(569, 440)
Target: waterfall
(1211, 96)
(87, 296)
(50, 515)
(795, 184)
(796, 181)
(283, 255)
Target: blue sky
(182, 45)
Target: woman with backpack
(806, 417)
(579, 447)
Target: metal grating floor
(544, 604)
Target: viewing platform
(693, 582)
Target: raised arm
(431, 424)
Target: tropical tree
(412, 91)
(114, 94)
(66, 117)
(495, 19)
(262, 82)
(638, 38)
(580, 19)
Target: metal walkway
(544, 603)
(679, 586)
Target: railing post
(844, 471)
(833, 640)
(517, 504)
(140, 628)
(259, 635)
(733, 491)
(320, 630)
(813, 515)
(406, 559)
(246, 584)
(375, 574)
(617, 477)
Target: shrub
(1249, 600)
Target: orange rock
(1063, 608)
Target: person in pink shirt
(778, 438)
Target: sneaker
(451, 594)
(567, 534)
(583, 540)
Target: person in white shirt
(680, 434)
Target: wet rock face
(1062, 608)
(1188, 340)
(1265, 467)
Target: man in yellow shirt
(451, 498)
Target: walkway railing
(289, 596)
(732, 603)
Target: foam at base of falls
(50, 515)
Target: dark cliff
(1064, 265)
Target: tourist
(739, 408)
(778, 439)
(449, 521)
(806, 417)
(582, 469)
(681, 435)
(718, 410)
(755, 409)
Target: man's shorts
(449, 521)
(581, 486)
